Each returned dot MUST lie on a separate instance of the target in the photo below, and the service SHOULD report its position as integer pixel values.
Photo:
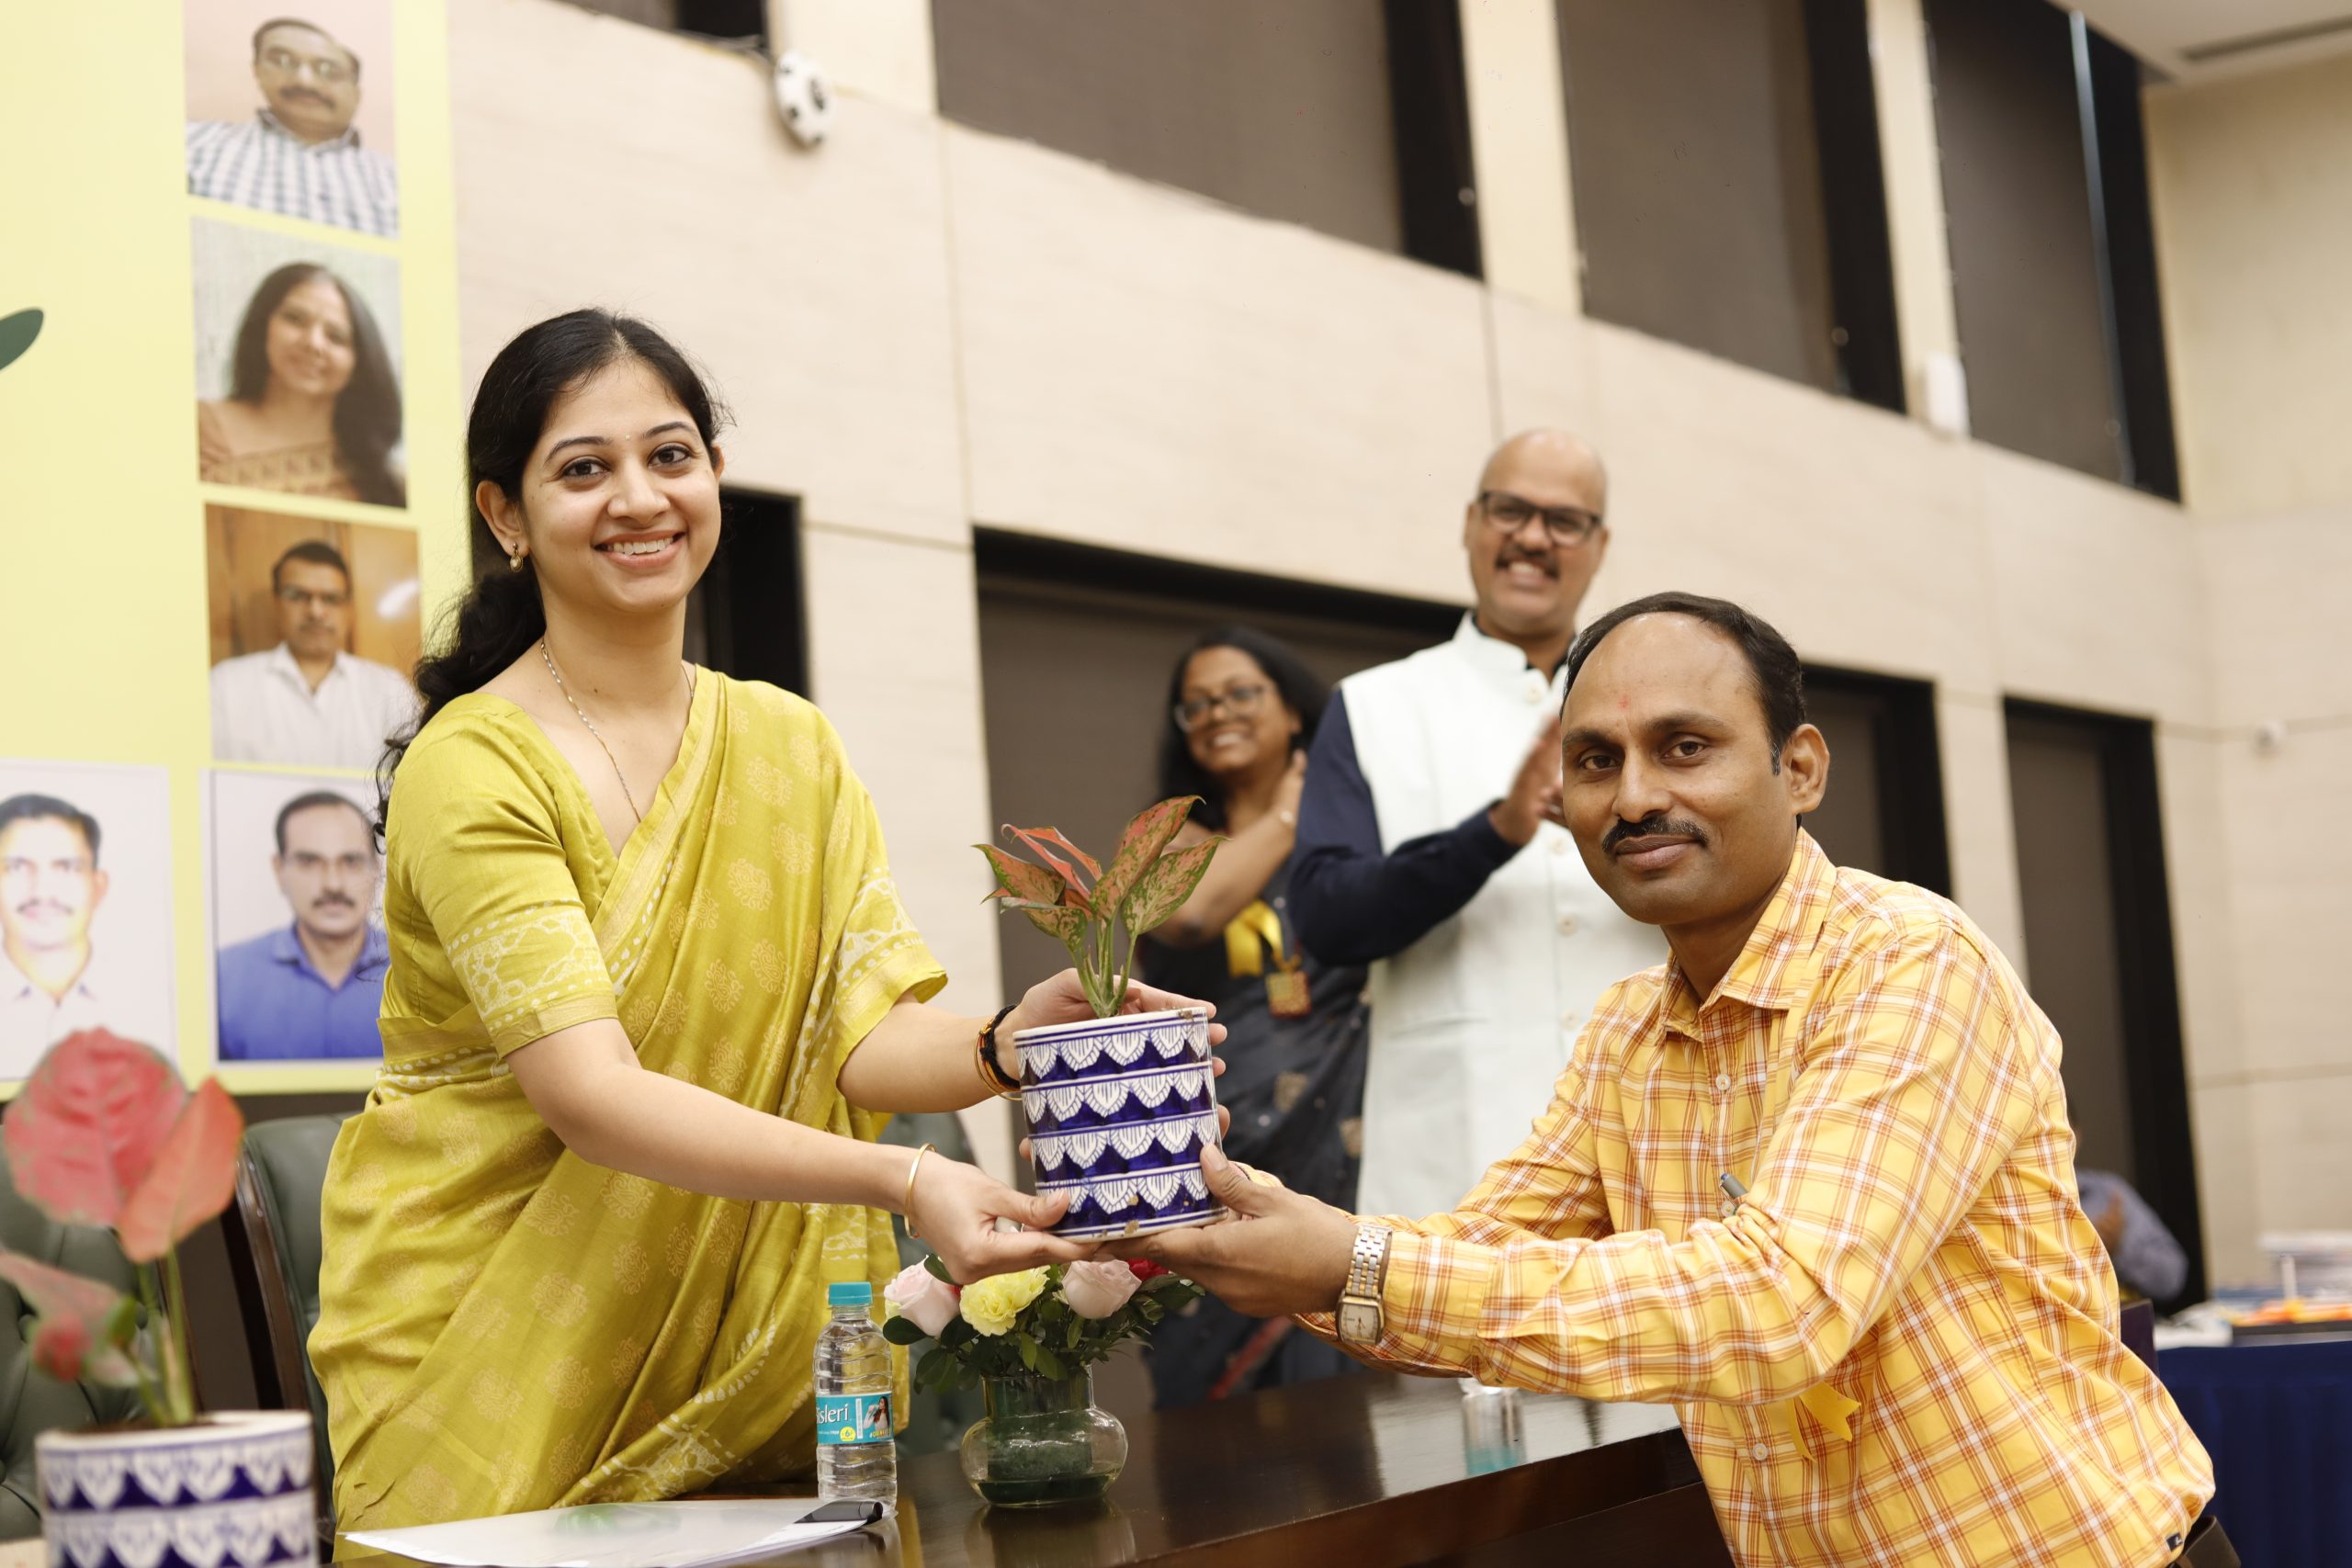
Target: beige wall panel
(2252, 180)
(811, 284)
(1917, 239)
(2303, 1161)
(1519, 150)
(877, 49)
(1543, 374)
(2280, 589)
(2290, 862)
(2198, 874)
(2228, 1195)
(1851, 530)
(1146, 370)
(1975, 747)
(899, 674)
(2097, 592)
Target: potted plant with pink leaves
(1030, 1341)
(1118, 1106)
(104, 1134)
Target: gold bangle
(984, 1060)
(907, 1204)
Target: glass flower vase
(1042, 1442)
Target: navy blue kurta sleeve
(1353, 904)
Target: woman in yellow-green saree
(651, 995)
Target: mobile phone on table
(844, 1511)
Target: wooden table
(1363, 1472)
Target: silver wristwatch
(1359, 1319)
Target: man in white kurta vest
(1429, 846)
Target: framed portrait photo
(85, 908)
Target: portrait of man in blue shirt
(311, 990)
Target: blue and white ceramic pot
(234, 1492)
(1119, 1110)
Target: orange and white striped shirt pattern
(1900, 1345)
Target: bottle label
(853, 1418)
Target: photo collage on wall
(311, 574)
(311, 590)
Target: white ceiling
(2191, 39)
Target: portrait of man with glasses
(309, 700)
(297, 153)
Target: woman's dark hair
(501, 616)
(1294, 681)
(1772, 664)
(367, 411)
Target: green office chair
(32, 1402)
(273, 1241)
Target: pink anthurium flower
(105, 1135)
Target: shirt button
(1571, 1021)
(1567, 925)
(1760, 1453)
(1560, 844)
(1722, 1082)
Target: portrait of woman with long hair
(313, 405)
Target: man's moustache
(1542, 563)
(1651, 828)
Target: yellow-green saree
(504, 1326)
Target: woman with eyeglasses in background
(1243, 708)
(313, 406)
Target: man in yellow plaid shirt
(1812, 1181)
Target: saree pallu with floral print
(504, 1326)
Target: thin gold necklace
(547, 657)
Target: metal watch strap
(1368, 1264)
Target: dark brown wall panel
(1280, 109)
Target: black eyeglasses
(1241, 701)
(1507, 514)
(324, 601)
(322, 69)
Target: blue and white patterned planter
(1119, 1110)
(232, 1492)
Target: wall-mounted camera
(804, 97)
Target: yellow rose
(992, 1305)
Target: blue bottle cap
(853, 1294)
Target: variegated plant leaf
(1019, 879)
(1161, 891)
(1046, 840)
(1140, 846)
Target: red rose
(1145, 1270)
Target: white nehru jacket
(1472, 1024)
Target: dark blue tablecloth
(2278, 1421)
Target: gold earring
(515, 562)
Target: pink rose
(59, 1346)
(1098, 1289)
(924, 1297)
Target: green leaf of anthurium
(1162, 889)
(1147, 834)
(935, 1269)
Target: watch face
(1359, 1322)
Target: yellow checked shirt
(1900, 1346)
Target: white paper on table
(613, 1535)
